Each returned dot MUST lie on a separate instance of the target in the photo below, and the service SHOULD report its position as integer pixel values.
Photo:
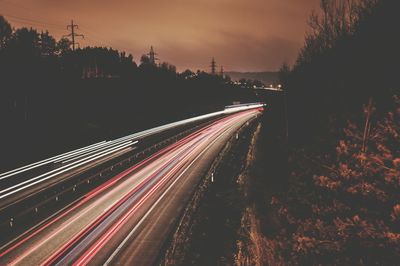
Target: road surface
(20, 183)
(126, 220)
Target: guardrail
(132, 138)
(38, 205)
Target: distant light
(279, 86)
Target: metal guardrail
(132, 137)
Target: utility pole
(73, 34)
(152, 56)
(213, 67)
(221, 72)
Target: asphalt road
(126, 220)
(26, 181)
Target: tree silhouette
(63, 46)
(48, 44)
(341, 207)
(144, 60)
(350, 54)
(49, 92)
(5, 32)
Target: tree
(48, 44)
(144, 60)
(5, 32)
(227, 79)
(257, 83)
(26, 42)
(243, 81)
(63, 46)
(338, 19)
(343, 209)
(349, 54)
(168, 67)
(187, 74)
(284, 74)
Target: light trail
(99, 190)
(106, 236)
(126, 239)
(94, 151)
(40, 163)
(110, 211)
(171, 162)
(41, 178)
(91, 195)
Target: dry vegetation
(342, 208)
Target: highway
(126, 220)
(27, 180)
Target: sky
(242, 35)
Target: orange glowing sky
(242, 35)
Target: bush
(349, 212)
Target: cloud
(242, 34)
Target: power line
(73, 34)
(72, 27)
(39, 23)
(97, 37)
(38, 11)
(32, 24)
(32, 21)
